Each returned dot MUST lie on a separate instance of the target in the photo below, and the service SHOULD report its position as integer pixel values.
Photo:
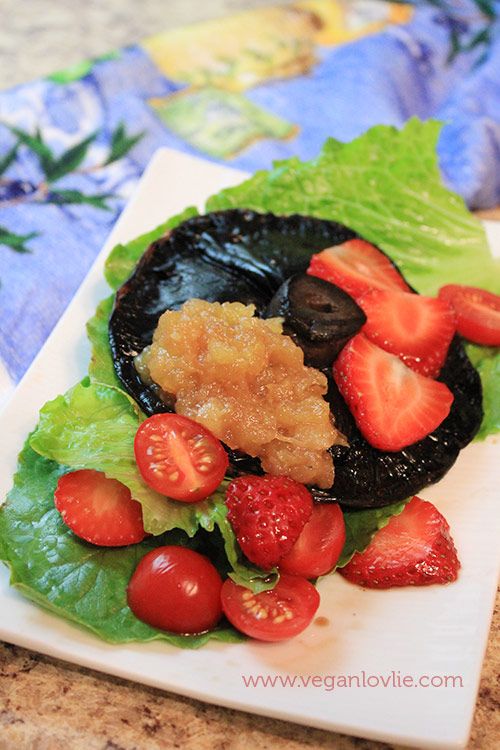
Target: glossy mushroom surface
(319, 316)
(245, 256)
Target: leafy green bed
(385, 185)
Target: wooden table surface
(46, 704)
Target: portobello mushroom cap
(241, 255)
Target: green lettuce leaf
(486, 360)
(386, 185)
(361, 526)
(65, 575)
(101, 367)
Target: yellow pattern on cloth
(242, 51)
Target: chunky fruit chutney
(244, 380)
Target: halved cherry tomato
(99, 510)
(176, 589)
(319, 545)
(179, 457)
(273, 615)
(477, 312)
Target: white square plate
(370, 637)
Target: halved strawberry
(414, 549)
(393, 406)
(356, 266)
(417, 329)
(477, 312)
(99, 510)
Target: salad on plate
(272, 384)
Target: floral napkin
(245, 91)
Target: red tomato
(176, 589)
(273, 615)
(477, 312)
(319, 545)
(99, 510)
(179, 457)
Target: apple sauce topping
(246, 382)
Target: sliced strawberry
(393, 406)
(477, 312)
(99, 510)
(414, 549)
(417, 329)
(356, 266)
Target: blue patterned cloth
(56, 212)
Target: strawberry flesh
(393, 406)
(416, 329)
(414, 549)
(477, 312)
(98, 509)
(267, 514)
(356, 266)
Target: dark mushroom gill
(245, 256)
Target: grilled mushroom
(246, 256)
(319, 316)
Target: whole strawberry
(267, 514)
